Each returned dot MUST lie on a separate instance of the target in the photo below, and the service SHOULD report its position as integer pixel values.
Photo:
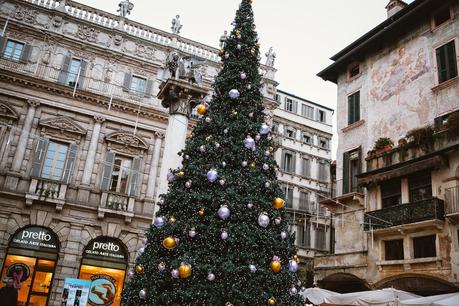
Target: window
(138, 84)
(324, 143)
(446, 62)
(306, 138)
(54, 160)
(354, 70)
(420, 186)
(307, 111)
(277, 97)
(323, 171)
(321, 116)
(393, 250)
(304, 235)
(288, 162)
(424, 246)
(320, 237)
(391, 193)
(290, 105)
(13, 50)
(288, 197)
(353, 108)
(320, 209)
(441, 16)
(290, 132)
(304, 201)
(306, 167)
(120, 174)
(351, 168)
(74, 68)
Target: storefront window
(104, 263)
(30, 262)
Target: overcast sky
(303, 33)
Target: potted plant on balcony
(383, 145)
(422, 137)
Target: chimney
(394, 7)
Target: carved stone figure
(57, 21)
(176, 25)
(172, 64)
(270, 57)
(125, 8)
(223, 39)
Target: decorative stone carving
(176, 25)
(127, 139)
(7, 113)
(33, 102)
(62, 127)
(87, 33)
(99, 119)
(29, 16)
(57, 21)
(189, 68)
(117, 39)
(145, 51)
(125, 8)
(270, 57)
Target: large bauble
(234, 94)
(184, 270)
(201, 109)
(159, 222)
(212, 175)
(263, 220)
(175, 273)
(276, 266)
(264, 129)
(224, 212)
(169, 243)
(272, 302)
(278, 203)
(143, 294)
(292, 266)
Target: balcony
(116, 204)
(426, 210)
(46, 191)
(452, 203)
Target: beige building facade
(398, 161)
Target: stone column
(91, 155)
(180, 97)
(23, 139)
(154, 167)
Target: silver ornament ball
(192, 233)
(143, 294)
(224, 212)
(222, 182)
(211, 277)
(265, 167)
(263, 220)
(283, 235)
(224, 235)
(234, 94)
(244, 164)
(188, 184)
(175, 273)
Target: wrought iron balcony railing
(430, 209)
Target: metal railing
(452, 200)
(424, 210)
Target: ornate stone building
(397, 206)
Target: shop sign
(76, 292)
(35, 238)
(103, 290)
(106, 248)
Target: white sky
(303, 33)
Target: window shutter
(283, 161)
(83, 67)
(452, 61)
(127, 82)
(357, 107)
(62, 78)
(108, 168)
(346, 172)
(135, 175)
(26, 52)
(3, 41)
(293, 168)
(148, 89)
(39, 157)
(295, 106)
(350, 110)
(70, 163)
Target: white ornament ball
(175, 273)
(249, 86)
(234, 94)
(161, 266)
(258, 137)
(225, 131)
(187, 157)
(265, 167)
(239, 47)
(188, 184)
(263, 220)
(217, 145)
(293, 266)
(252, 268)
(267, 153)
(170, 177)
(141, 251)
(131, 274)
(244, 164)
(192, 233)
(283, 235)
(159, 222)
(211, 277)
(143, 294)
(223, 164)
(251, 114)
(249, 205)
(278, 220)
(243, 75)
(212, 175)
(267, 184)
(202, 148)
(293, 291)
(224, 212)
(227, 55)
(208, 119)
(264, 129)
(222, 182)
(224, 235)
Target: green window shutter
(26, 52)
(70, 163)
(135, 177)
(451, 60)
(108, 168)
(357, 107)
(350, 109)
(346, 172)
(83, 67)
(148, 88)
(62, 78)
(3, 41)
(39, 157)
(127, 82)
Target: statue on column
(223, 39)
(176, 25)
(125, 8)
(270, 57)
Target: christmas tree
(221, 235)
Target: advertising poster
(76, 292)
(103, 290)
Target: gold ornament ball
(201, 109)
(278, 203)
(237, 32)
(253, 165)
(276, 266)
(184, 270)
(234, 113)
(272, 302)
(221, 52)
(180, 174)
(172, 219)
(139, 269)
(201, 212)
(253, 51)
(295, 258)
(270, 149)
(169, 243)
(228, 304)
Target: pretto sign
(36, 238)
(106, 248)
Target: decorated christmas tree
(221, 235)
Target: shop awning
(451, 299)
(382, 297)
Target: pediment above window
(126, 142)
(62, 127)
(7, 113)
